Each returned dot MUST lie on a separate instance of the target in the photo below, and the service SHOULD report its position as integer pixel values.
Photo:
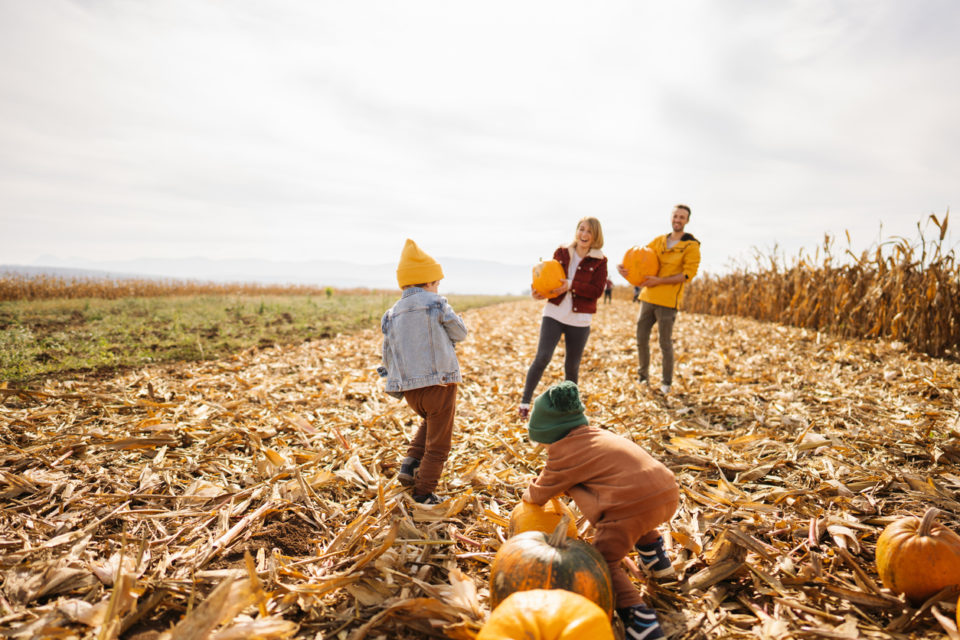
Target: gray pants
(575, 339)
(664, 317)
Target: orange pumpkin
(918, 556)
(527, 516)
(536, 560)
(547, 276)
(547, 614)
(641, 262)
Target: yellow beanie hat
(416, 267)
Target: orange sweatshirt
(609, 477)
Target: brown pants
(614, 540)
(431, 445)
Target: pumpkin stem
(926, 524)
(558, 538)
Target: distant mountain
(461, 276)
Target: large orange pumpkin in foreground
(640, 262)
(547, 276)
(536, 560)
(527, 516)
(547, 614)
(918, 556)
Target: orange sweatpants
(615, 539)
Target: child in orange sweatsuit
(620, 488)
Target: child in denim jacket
(418, 354)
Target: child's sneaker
(523, 411)
(653, 559)
(408, 469)
(428, 498)
(640, 623)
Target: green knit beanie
(556, 412)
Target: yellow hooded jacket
(683, 257)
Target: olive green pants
(664, 317)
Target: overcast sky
(297, 130)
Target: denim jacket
(419, 333)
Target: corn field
(256, 496)
(14, 286)
(900, 290)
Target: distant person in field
(420, 331)
(570, 307)
(608, 292)
(622, 490)
(636, 294)
(679, 255)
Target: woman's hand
(562, 289)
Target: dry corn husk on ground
(255, 497)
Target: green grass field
(48, 337)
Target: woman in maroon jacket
(570, 306)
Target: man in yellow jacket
(679, 255)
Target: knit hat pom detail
(565, 397)
(555, 413)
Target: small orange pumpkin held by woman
(547, 276)
(918, 556)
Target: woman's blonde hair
(594, 225)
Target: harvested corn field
(256, 496)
